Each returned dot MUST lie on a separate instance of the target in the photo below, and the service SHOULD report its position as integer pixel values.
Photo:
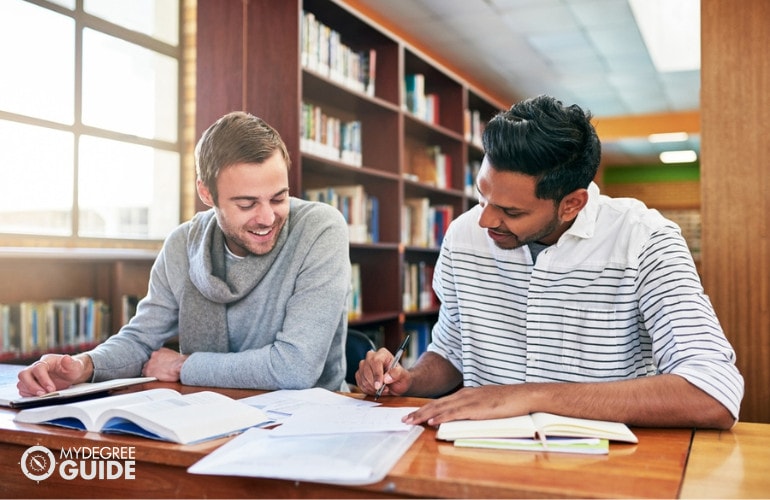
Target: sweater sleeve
(156, 320)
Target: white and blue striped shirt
(617, 297)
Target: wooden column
(735, 184)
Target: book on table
(9, 393)
(537, 432)
(162, 414)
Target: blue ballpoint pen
(396, 359)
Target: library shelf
(403, 130)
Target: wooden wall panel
(735, 99)
(661, 195)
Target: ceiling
(587, 52)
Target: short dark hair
(237, 137)
(545, 139)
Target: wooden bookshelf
(252, 56)
(44, 274)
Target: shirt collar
(585, 222)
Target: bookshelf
(66, 275)
(255, 56)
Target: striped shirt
(617, 297)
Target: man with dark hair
(556, 298)
(255, 288)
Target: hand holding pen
(396, 359)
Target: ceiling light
(687, 156)
(669, 137)
(671, 31)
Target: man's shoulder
(315, 216)
(314, 212)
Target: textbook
(162, 414)
(9, 394)
(539, 426)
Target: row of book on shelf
(424, 106)
(428, 165)
(419, 332)
(29, 328)
(329, 137)
(323, 51)
(424, 225)
(473, 126)
(360, 210)
(417, 292)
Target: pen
(396, 359)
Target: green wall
(652, 173)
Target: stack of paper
(325, 437)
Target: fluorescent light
(687, 156)
(669, 137)
(671, 31)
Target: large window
(89, 118)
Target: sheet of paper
(283, 403)
(336, 419)
(359, 458)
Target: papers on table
(357, 458)
(323, 437)
(283, 403)
(333, 419)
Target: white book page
(580, 427)
(520, 427)
(192, 417)
(335, 419)
(88, 412)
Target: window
(89, 118)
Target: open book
(162, 414)
(538, 431)
(9, 394)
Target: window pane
(38, 73)
(70, 4)
(128, 89)
(35, 180)
(157, 18)
(127, 190)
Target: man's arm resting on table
(665, 400)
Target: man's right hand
(53, 372)
(373, 372)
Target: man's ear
(204, 194)
(572, 204)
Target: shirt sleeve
(687, 338)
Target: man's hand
(373, 373)
(53, 372)
(473, 403)
(165, 365)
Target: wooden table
(729, 464)
(654, 467)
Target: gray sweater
(276, 321)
